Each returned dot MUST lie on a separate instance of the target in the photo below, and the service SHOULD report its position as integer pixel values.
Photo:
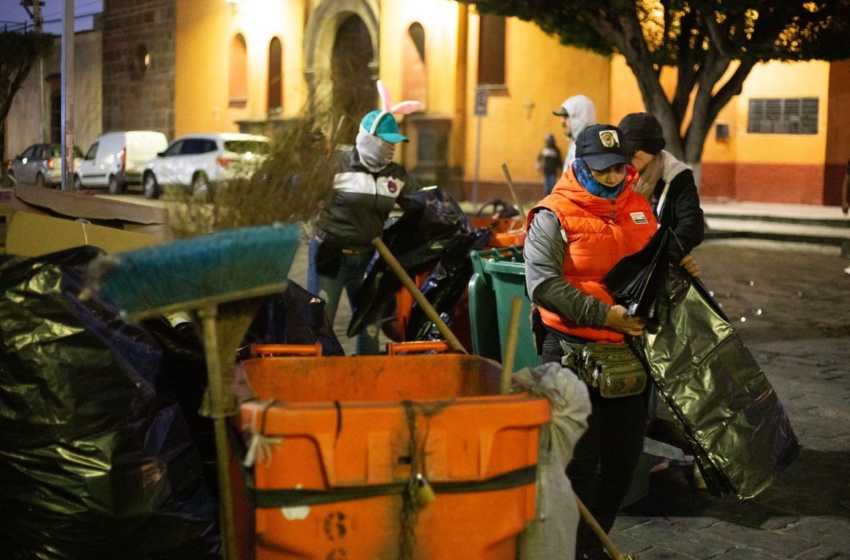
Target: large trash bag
(293, 317)
(446, 285)
(741, 436)
(94, 463)
(417, 240)
(639, 278)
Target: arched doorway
(354, 92)
(341, 62)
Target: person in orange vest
(592, 219)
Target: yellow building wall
(540, 75)
(439, 20)
(205, 30)
(759, 167)
(783, 80)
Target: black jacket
(681, 210)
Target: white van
(117, 159)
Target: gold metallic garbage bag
(741, 436)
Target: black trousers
(605, 457)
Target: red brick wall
(718, 180)
(134, 100)
(761, 182)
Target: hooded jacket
(598, 233)
(582, 114)
(674, 198)
(362, 201)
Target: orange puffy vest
(600, 232)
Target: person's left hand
(691, 265)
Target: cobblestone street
(789, 303)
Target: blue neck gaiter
(594, 187)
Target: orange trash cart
(338, 442)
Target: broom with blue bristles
(215, 276)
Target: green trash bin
(498, 276)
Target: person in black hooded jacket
(665, 181)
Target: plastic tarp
(94, 462)
(741, 436)
(293, 317)
(432, 224)
(446, 285)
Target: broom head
(190, 273)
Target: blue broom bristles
(208, 266)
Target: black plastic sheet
(741, 436)
(293, 317)
(418, 239)
(639, 278)
(94, 462)
(446, 285)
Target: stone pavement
(789, 303)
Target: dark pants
(605, 457)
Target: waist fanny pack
(612, 368)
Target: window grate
(797, 115)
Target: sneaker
(596, 554)
(847, 270)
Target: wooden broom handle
(426, 306)
(603, 536)
(510, 345)
(513, 192)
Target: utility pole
(45, 130)
(68, 96)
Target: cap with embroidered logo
(601, 146)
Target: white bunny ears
(387, 108)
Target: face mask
(375, 153)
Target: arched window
(275, 85)
(238, 71)
(414, 81)
(491, 50)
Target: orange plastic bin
(507, 232)
(331, 479)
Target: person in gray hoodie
(577, 113)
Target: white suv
(198, 162)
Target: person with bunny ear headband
(367, 186)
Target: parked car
(116, 159)
(41, 164)
(199, 162)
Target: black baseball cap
(643, 132)
(601, 146)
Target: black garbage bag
(417, 239)
(497, 208)
(639, 278)
(446, 285)
(293, 317)
(724, 404)
(94, 463)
